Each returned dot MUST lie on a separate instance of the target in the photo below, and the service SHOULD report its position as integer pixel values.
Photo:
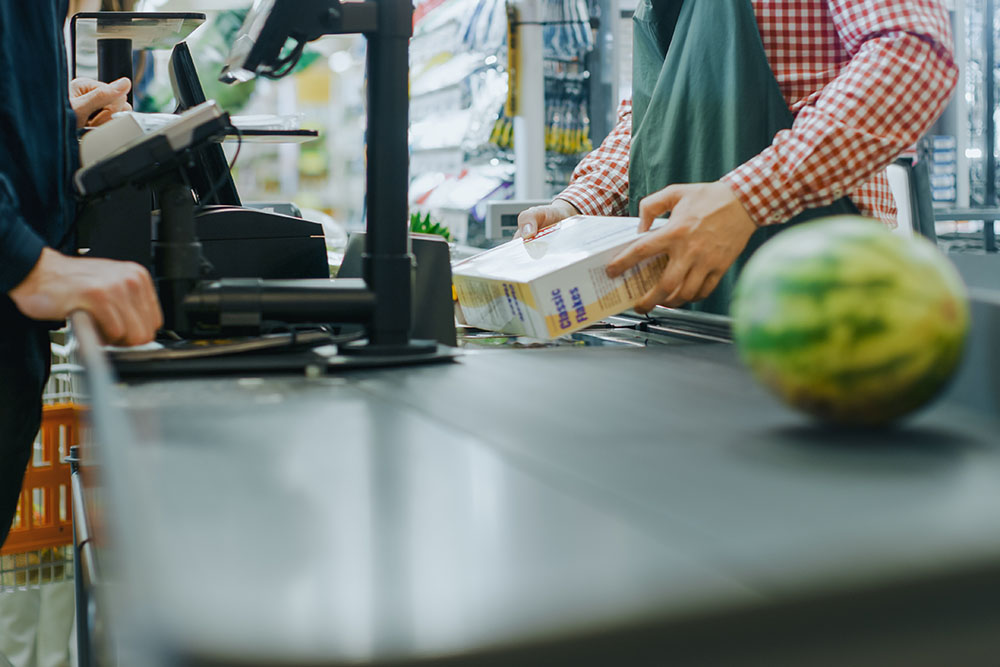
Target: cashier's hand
(118, 295)
(707, 230)
(536, 218)
(94, 102)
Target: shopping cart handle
(73, 459)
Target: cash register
(238, 241)
(216, 264)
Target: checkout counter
(633, 497)
(594, 504)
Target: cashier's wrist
(533, 220)
(565, 207)
(755, 205)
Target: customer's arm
(119, 295)
(47, 285)
(20, 245)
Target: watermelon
(849, 322)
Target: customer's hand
(94, 102)
(707, 230)
(536, 218)
(118, 295)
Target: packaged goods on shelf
(943, 169)
(567, 34)
(944, 195)
(459, 86)
(485, 28)
(943, 142)
(459, 199)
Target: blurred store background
(461, 135)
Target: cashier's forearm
(881, 103)
(600, 182)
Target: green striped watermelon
(850, 322)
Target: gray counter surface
(549, 505)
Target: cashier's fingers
(673, 281)
(649, 300)
(709, 285)
(530, 220)
(649, 245)
(691, 288)
(533, 220)
(660, 202)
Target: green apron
(704, 101)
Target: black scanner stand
(388, 26)
(180, 269)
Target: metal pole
(529, 123)
(602, 64)
(82, 599)
(961, 115)
(177, 254)
(387, 261)
(989, 32)
(114, 61)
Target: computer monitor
(210, 178)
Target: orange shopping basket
(44, 516)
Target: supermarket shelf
(950, 214)
(987, 215)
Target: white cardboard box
(555, 283)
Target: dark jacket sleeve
(20, 245)
(37, 136)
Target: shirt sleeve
(897, 82)
(599, 185)
(20, 245)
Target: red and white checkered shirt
(864, 80)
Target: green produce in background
(850, 322)
(423, 225)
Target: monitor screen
(209, 175)
(184, 78)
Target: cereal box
(555, 283)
